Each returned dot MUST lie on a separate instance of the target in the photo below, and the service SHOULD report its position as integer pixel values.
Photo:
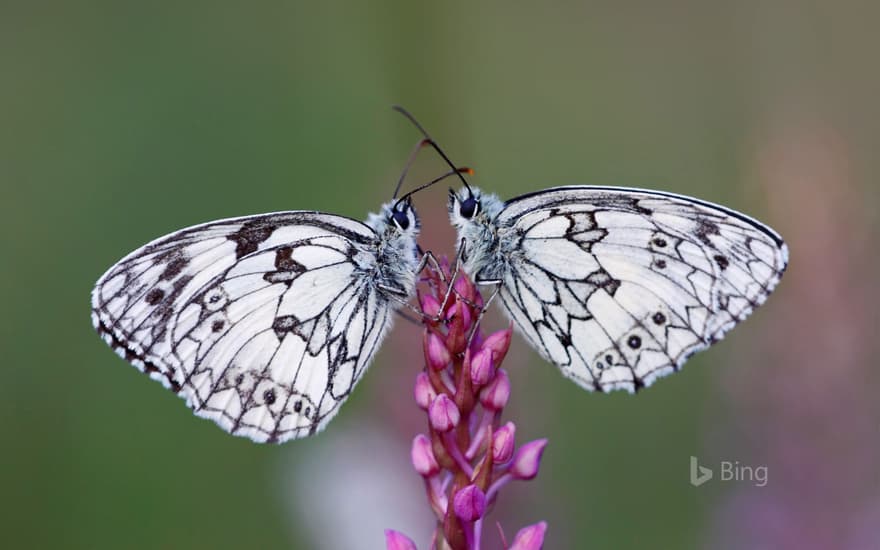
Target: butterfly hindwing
(263, 324)
(619, 286)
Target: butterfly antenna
(432, 143)
(408, 165)
(460, 170)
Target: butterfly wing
(618, 287)
(263, 324)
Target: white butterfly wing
(263, 324)
(618, 287)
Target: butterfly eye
(469, 208)
(400, 219)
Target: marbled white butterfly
(617, 287)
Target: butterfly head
(397, 218)
(473, 215)
(470, 206)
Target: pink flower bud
(424, 391)
(437, 355)
(464, 288)
(528, 459)
(395, 540)
(466, 317)
(430, 305)
(530, 538)
(469, 503)
(423, 456)
(499, 343)
(502, 443)
(495, 395)
(458, 324)
(478, 300)
(443, 413)
(452, 311)
(482, 367)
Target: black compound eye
(469, 208)
(400, 219)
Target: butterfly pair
(264, 324)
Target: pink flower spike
(469, 452)
(499, 342)
(530, 538)
(528, 459)
(502, 443)
(423, 459)
(494, 396)
(430, 305)
(437, 355)
(424, 392)
(469, 503)
(443, 413)
(395, 540)
(482, 367)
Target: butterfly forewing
(263, 324)
(619, 286)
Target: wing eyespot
(635, 342)
(269, 397)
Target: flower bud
(451, 311)
(443, 413)
(436, 354)
(464, 288)
(495, 395)
(430, 305)
(499, 343)
(395, 540)
(528, 459)
(458, 323)
(424, 391)
(502, 443)
(467, 317)
(530, 538)
(423, 456)
(469, 503)
(482, 367)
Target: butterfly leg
(450, 287)
(402, 299)
(428, 258)
(458, 263)
(496, 284)
(408, 318)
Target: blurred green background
(123, 121)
